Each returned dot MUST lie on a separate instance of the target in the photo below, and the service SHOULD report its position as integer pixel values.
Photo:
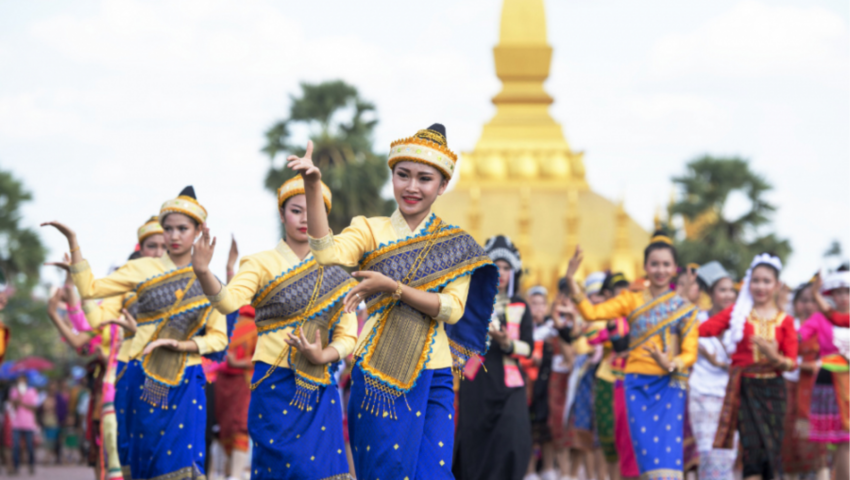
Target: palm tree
(340, 124)
(706, 187)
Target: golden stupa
(523, 180)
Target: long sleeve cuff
(340, 348)
(218, 297)
(445, 308)
(323, 248)
(203, 345)
(521, 348)
(80, 267)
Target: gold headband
(661, 239)
(187, 206)
(151, 227)
(295, 186)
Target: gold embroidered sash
(177, 303)
(309, 298)
(399, 345)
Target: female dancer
(429, 288)
(494, 431)
(764, 344)
(709, 378)
(663, 346)
(302, 329)
(829, 410)
(176, 325)
(800, 457)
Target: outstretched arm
(317, 216)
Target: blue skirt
(169, 442)
(656, 411)
(417, 445)
(290, 443)
(122, 410)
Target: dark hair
(135, 255)
(658, 245)
(564, 286)
(799, 292)
(162, 220)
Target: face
(293, 215)
(153, 246)
(841, 297)
(804, 305)
(660, 267)
(723, 293)
(763, 285)
(537, 304)
(567, 305)
(416, 187)
(505, 272)
(180, 233)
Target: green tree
(706, 187)
(341, 124)
(21, 256)
(21, 251)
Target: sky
(108, 108)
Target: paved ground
(55, 473)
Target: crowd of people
(430, 361)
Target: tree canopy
(21, 251)
(340, 123)
(705, 188)
(21, 256)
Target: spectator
(50, 422)
(24, 402)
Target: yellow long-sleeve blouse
(255, 272)
(366, 234)
(639, 360)
(125, 280)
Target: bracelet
(74, 249)
(397, 293)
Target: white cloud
(755, 39)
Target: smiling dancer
(662, 348)
(429, 288)
(764, 344)
(176, 325)
(294, 415)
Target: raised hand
(202, 252)
(572, 268)
(372, 283)
(304, 165)
(232, 257)
(63, 229)
(575, 262)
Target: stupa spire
(523, 55)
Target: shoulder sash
(307, 297)
(400, 343)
